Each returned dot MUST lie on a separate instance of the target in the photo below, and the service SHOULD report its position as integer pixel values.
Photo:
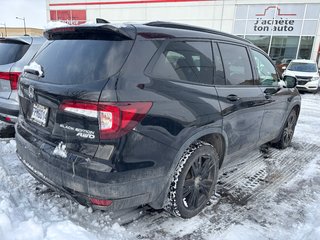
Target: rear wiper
(34, 68)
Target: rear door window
(12, 51)
(189, 61)
(77, 61)
(236, 63)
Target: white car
(306, 72)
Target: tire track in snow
(241, 187)
(281, 167)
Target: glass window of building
(283, 31)
(262, 42)
(306, 44)
(283, 47)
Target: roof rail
(193, 28)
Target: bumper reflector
(7, 119)
(100, 202)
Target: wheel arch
(218, 142)
(213, 136)
(296, 108)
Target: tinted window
(267, 73)
(82, 61)
(185, 61)
(236, 64)
(303, 67)
(11, 52)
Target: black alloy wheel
(288, 131)
(194, 180)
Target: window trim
(214, 59)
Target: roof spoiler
(21, 40)
(105, 31)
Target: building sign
(276, 19)
(283, 23)
(284, 19)
(72, 17)
(262, 25)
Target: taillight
(12, 77)
(115, 119)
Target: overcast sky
(33, 10)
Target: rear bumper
(9, 108)
(125, 189)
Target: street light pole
(5, 28)
(24, 24)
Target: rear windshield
(76, 61)
(303, 67)
(11, 52)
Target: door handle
(233, 98)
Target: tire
(287, 131)
(194, 180)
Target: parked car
(306, 72)
(282, 64)
(15, 53)
(117, 116)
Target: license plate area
(39, 114)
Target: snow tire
(194, 180)
(287, 131)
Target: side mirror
(284, 68)
(290, 81)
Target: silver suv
(15, 53)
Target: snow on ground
(272, 196)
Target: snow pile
(2, 125)
(7, 147)
(67, 230)
(56, 24)
(29, 224)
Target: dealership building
(285, 29)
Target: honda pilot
(119, 116)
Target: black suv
(117, 116)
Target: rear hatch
(59, 91)
(11, 51)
